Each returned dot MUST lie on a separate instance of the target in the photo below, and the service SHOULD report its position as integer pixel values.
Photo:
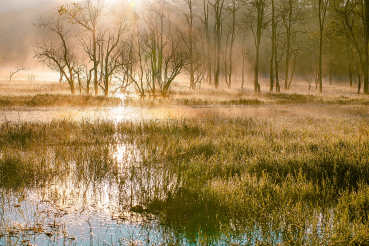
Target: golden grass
(297, 180)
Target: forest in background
(97, 45)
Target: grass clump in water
(241, 101)
(291, 181)
(57, 100)
(15, 173)
(295, 98)
(263, 173)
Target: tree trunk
(106, 84)
(272, 52)
(217, 53)
(330, 62)
(320, 61)
(293, 70)
(225, 61)
(243, 74)
(94, 43)
(349, 60)
(208, 44)
(256, 70)
(321, 26)
(61, 77)
(230, 65)
(217, 65)
(232, 43)
(366, 70)
(286, 69)
(277, 86)
(153, 66)
(71, 85)
(190, 35)
(288, 44)
(260, 10)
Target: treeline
(108, 47)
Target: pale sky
(19, 5)
(6, 5)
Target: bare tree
(57, 56)
(200, 58)
(18, 69)
(175, 58)
(87, 14)
(293, 19)
(159, 24)
(140, 75)
(348, 47)
(110, 61)
(190, 16)
(232, 8)
(244, 52)
(256, 20)
(217, 7)
(273, 51)
(79, 70)
(277, 46)
(321, 8)
(354, 17)
(127, 62)
(209, 45)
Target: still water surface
(178, 112)
(91, 208)
(86, 204)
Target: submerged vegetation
(290, 181)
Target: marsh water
(178, 112)
(97, 199)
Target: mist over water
(177, 112)
(166, 126)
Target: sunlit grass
(24, 87)
(51, 100)
(291, 181)
(223, 97)
(204, 97)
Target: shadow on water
(185, 182)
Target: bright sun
(132, 3)
(135, 3)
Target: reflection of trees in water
(191, 181)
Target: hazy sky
(19, 5)
(6, 5)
